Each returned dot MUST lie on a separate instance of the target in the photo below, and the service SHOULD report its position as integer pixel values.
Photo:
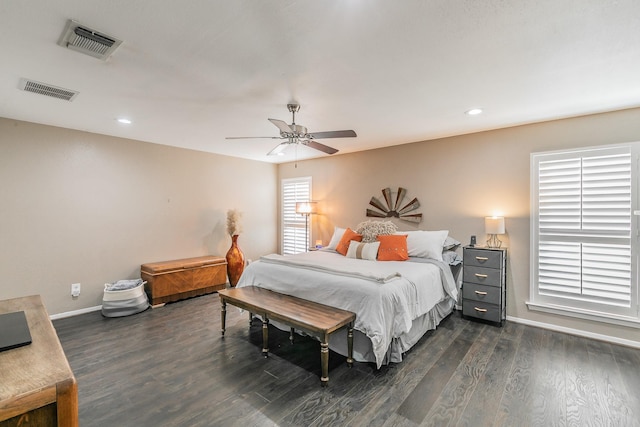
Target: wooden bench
(316, 319)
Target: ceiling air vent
(47, 90)
(83, 39)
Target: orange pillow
(393, 247)
(347, 237)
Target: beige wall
(80, 207)
(458, 181)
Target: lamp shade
(306, 208)
(494, 225)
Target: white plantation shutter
(583, 231)
(293, 224)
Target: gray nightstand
(484, 283)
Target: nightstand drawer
(482, 258)
(487, 294)
(481, 275)
(481, 310)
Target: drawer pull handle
(481, 310)
(480, 293)
(484, 276)
(482, 258)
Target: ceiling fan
(296, 134)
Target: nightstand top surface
(486, 248)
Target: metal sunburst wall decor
(393, 209)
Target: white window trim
(283, 183)
(539, 304)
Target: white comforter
(386, 296)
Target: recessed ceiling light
(474, 112)
(124, 121)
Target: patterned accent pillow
(347, 237)
(361, 250)
(393, 248)
(371, 229)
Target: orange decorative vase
(235, 261)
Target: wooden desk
(37, 386)
(317, 319)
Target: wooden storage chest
(169, 281)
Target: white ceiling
(190, 73)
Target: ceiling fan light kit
(297, 134)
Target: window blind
(586, 194)
(293, 237)
(583, 254)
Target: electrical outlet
(75, 290)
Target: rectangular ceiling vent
(47, 89)
(83, 39)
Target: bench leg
(324, 360)
(223, 318)
(350, 345)
(291, 336)
(265, 336)
(250, 319)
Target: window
(584, 234)
(294, 234)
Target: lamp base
(493, 241)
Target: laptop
(14, 330)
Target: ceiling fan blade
(318, 146)
(252, 137)
(278, 149)
(332, 134)
(283, 126)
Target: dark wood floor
(169, 367)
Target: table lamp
(494, 225)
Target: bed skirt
(362, 347)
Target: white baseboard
(75, 312)
(578, 332)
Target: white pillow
(450, 243)
(335, 239)
(426, 244)
(361, 250)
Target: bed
(395, 302)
